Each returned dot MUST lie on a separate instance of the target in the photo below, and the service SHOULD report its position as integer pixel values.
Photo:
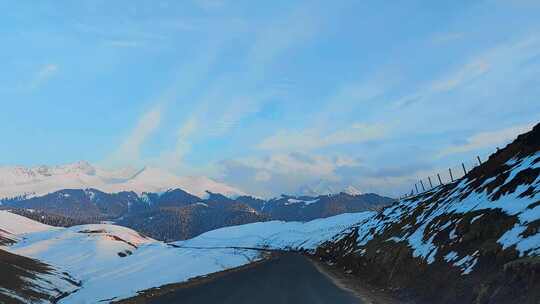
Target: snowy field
(277, 234)
(115, 262)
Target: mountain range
(16, 182)
(473, 240)
(157, 203)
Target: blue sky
(268, 96)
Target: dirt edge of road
(367, 294)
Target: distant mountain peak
(351, 190)
(327, 188)
(36, 181)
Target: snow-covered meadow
(114, 262)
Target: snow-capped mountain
(29, 182)
(326, 188)
(351, 190)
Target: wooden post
(439, 177)
(479, 160)
(416, 186)
(430, 184)
(451, 176)
(423, 188)
(464, 170)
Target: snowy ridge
(30, 182)
(291, 201)
(277, 234)
(429, 223)
(20, 225)
(482, 231)
(326, 188)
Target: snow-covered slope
(278, 234)
(19, 225)
(20, 181)
(476, 240)
(24, 280)
(114, 262)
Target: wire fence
(443, 177)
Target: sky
(268, 96)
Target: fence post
(451, 176)
(416, 186)
(479, 160)
(464, 170)
(423, 188)
(439, 177)
(430, 184)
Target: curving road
(290, 278)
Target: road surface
(290, 278)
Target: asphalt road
(290, 278)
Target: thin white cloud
(233, 108)
(285, 172)
(183, 145)
(263, 176)
(490, 65)
(282, 35)
(237, 109)
(306, 140)
(487, 139)
(290, 164)
(45, 73)
(130, 149)
(466, 74)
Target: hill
(475, 240)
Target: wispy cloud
(129, 151)
(239, 94)
(284, 172)
(174, 158)
(272, 40)
(497, 60)
(123, 43)
(306, 140)
(486, 139)
(464, 75)
(43, 75)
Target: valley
(270, 152)
(470, 241)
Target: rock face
(475, 240)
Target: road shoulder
(366, 293)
